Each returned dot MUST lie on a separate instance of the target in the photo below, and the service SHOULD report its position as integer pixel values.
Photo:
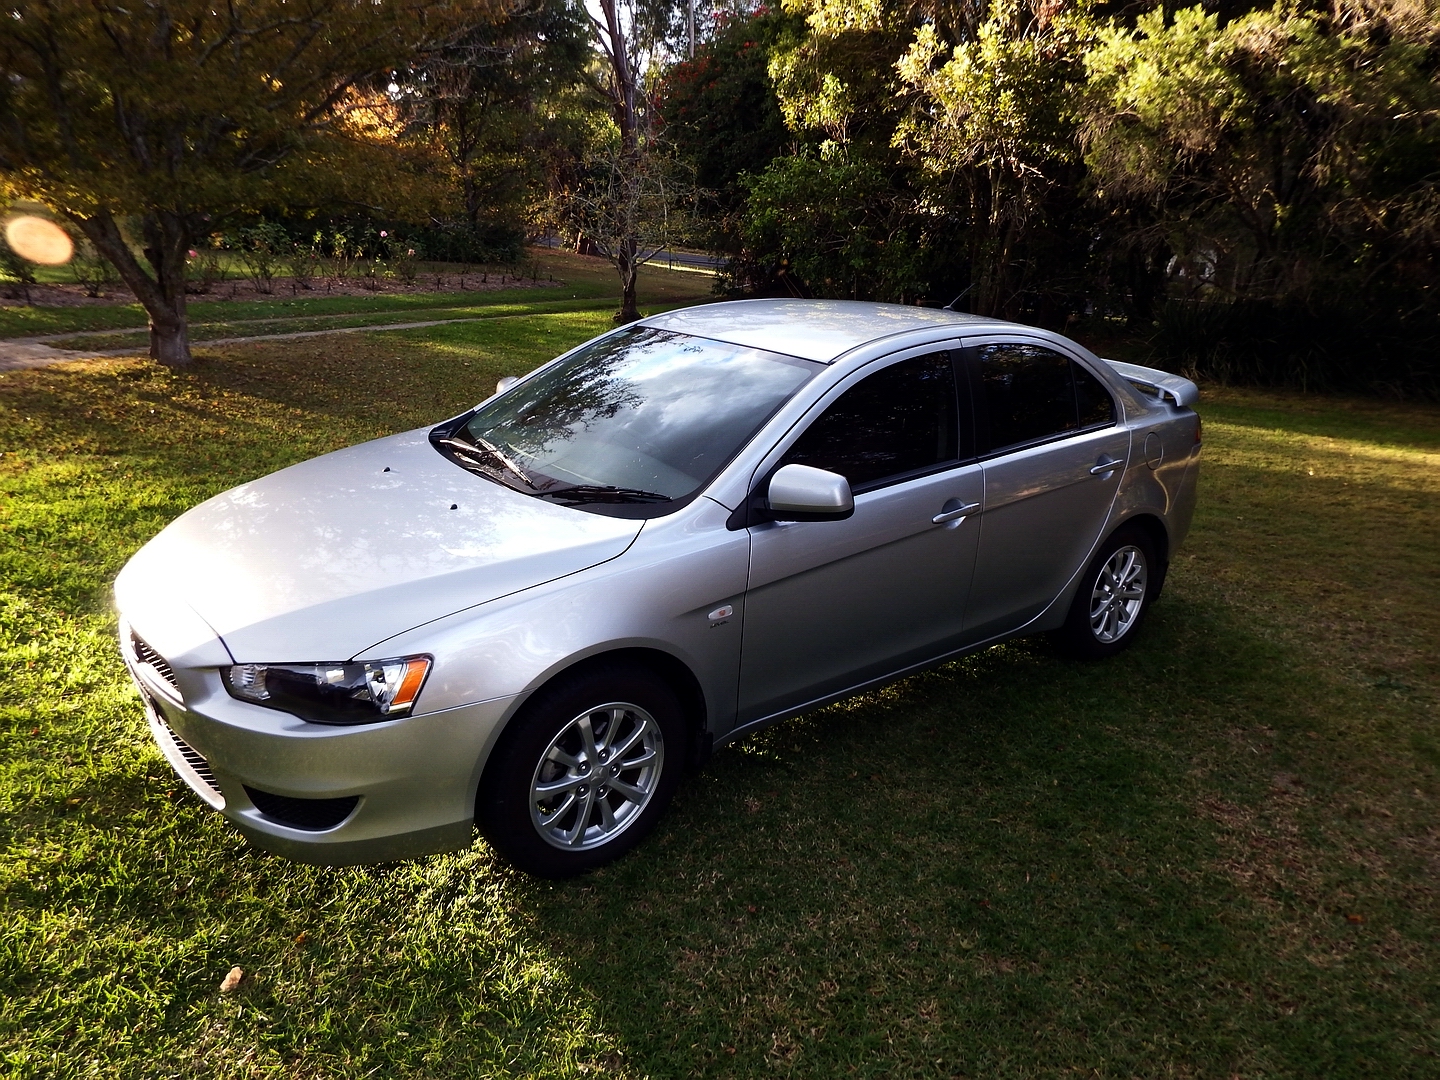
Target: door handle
(1103, 467)
(955, 515)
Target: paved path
(685, 260)
(28, 354)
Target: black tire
(1097, 613)
(642, 707)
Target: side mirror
(802, 493)
(505, 383)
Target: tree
(721, 114)
(635, 192)
(494, 100)
(993, 115)
(622, 181)
(631, 207)
(177, 113)
(1284, 149)
(840, 226)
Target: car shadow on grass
(1004, 866)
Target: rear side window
(1093, 401)
(902, 419)
(1029, 393)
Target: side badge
(720, 616)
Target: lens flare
(38, 240)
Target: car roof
(820, 330)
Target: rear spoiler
(1161, 384)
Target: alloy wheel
(1118, 594)
(596, 776)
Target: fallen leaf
(1355, 918)
(232, 980)
(300, 938)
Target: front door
(1047, 428)
(834, 603)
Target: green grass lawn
(578, 279)
(1214, 856)
(505, 306)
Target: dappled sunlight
(1276, 449)
(1008, 860)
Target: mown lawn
(1214, 856)
(588, 281)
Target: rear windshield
(630, 425)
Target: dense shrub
(1340, 344)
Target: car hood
(326, 558)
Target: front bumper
(400, 788)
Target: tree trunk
(167, 240)
(626, 119)
(625, 263)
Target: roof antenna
(951, 305)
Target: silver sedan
(535, 616)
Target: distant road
(688, 260)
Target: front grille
(198, 765)
(146, 655)
(310, 814)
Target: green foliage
(996, 103)
(1063, 161)
(263, 248)
(720, 111)
(1324, 345)
(1294, 151)
(17, 272)
(836, 81)
(183, 113)
(500, 102)
(840, 215)
(91, 270)
(186, 106)
(992, 113)
(302, 260)
(493, 241)
(837, 225)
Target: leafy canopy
(184, 104)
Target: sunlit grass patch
(581, 280)
(1212, 856)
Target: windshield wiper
(603, 493)
(484, 450)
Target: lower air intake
(312, 815)
(192, 757)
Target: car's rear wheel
(1114, 594)
(584, 771)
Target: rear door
(833, 603)
(1047, 428)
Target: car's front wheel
(584, 771)
(1114, 594)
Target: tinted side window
(1027, 393)
(1093, 401)
(898, 420)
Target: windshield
(641, 418)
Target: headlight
(337, 693)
